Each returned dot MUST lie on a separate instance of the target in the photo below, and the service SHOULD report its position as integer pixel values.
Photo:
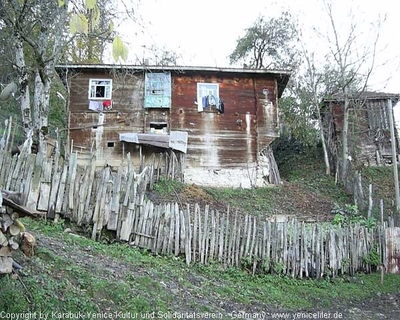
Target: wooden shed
(369, 129)
(221, 119)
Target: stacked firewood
(13, 235)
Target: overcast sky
(204, 32)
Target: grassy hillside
(306, 192)
(70, 273)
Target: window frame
(158, 90)
(106, 96)
(202, 89)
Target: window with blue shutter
(157, 90)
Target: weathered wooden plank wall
(116, 201)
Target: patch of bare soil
(382, 306)
(304, 204)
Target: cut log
(6, 265)
(14, 216)
(6, 221)
(28, 244)
(5, 251)
(3, 239)
(14, 230)
(13, 244)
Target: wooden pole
(394, 155)
(370, 201)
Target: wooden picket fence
(293, 248)
(87, 195)
(115, 200)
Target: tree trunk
(358, 193)
(45, 48)
(23, 81)
(345, 137)
(41, 110)
(324, 148)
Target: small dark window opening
(158, 127)
(100, 91)
(110, 144)
(94, 127)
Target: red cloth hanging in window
(107, 104)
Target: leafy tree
(89, 47)
(273, 43)
(269, 43)
(39, 33)
(30, 24)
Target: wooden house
(369, 127)
(221, 120)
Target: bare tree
(310, 87)
(160, 56)
(353, 62)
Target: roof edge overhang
(395, 97)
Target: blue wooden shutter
(157, 90)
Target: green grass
(260, 201)
(167, 186)
(73, 274)
(308, 169)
